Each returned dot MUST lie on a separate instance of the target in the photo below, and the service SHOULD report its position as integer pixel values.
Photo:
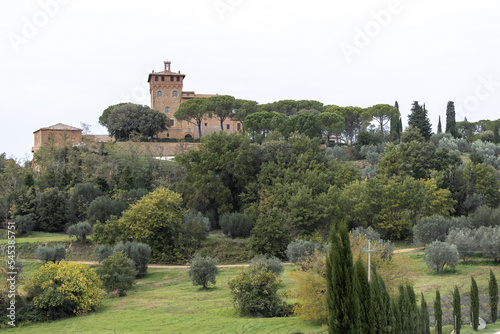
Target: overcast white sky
(65, 61)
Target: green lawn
(166, 302)
(37, 237)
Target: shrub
(80, 231)
(203, 271)
(490, 243)
(102, 208)
(64, 289)
(272, 263)
(255, 293)
(270, 235)
(102, 252)
(299, 251)
(429, 229)
(337, 152)
(196, 228)
(235, 225)
(50, 254)
(486, 216)
(24, 224)
(138, 252)
(439, 254)
(117, 273)
(464, 239)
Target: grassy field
(166, 302)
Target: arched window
(174, 93)
(159, 93)
(188, 136)
(167, 110)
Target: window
(162, 78)
(168, 135)
(227, 126)
(238, 126)
(174, 93)
(178, 78)
(167, 110)
(171, 78)
(158, 93)
(188, 136)
(206, 124)
(172, 122)
(156, 78)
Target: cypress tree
(438, 313)
(414, 314)
(378, 304)
(341, 300)
(405, 310)
(474, 304)
(493, 292)
(457, 310)
(440, 130)
(451, 126)
(418, 118)
(362, 289)
(424, 316)
(396, 318)
(395, 132)
(496, 135)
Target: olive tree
(438, 254)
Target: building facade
(166, 89)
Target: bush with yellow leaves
(64, 289)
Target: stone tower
(166, 95)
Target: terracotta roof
(60, 126)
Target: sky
(65, 61)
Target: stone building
(167, 95)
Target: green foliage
(271, 263)
(50, 254)
(451, 126)
(438, 313)
(235, 225)
(156, 220)
(493, 294)
(430, 229)
(103, 119)
(490, 243)
(418, 119)
(203, 270)
(381, 304)
(117, 273)
(80, 196)
(424, 316)
(64, 289)
(457, 310)
(474, 304)
(255, 293)
(103, 207)
(465, 241)
(382, 114)
(24, 224)
(438, 254)
(193, 111)
(363, 293)
(342, 303)
(108, 232)
(102, 252)
(196, 228)
(486, 216)
(51, 210)
(300, 251)
(80, 230)
(270, 235)
(128, 119)
(138, 252)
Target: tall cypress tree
(424, 316)
(457, 310)
(418, 118)
(493, 292)
(378, 304)
(440, 129)
(474, 304)
(496, 134)
(438, 313)
(451, 126)
(414, 316)
(362, 289)
(342, 303)
(395, 133)
(396, 318)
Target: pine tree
(451, 126)
(474, 304)
(457, 310)
(424, 316)
(342, 303)
(438, 313)
(493, 292)
(362, 289)
(418, 118)
(440, 130)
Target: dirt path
(166, 266)
(406, 250)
